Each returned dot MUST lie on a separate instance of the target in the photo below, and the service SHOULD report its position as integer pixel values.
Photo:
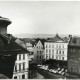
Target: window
(56, 51)
(37, 56)
(62, 58)
(40, 57)
(40, 52)
(37, 52)
(23, 65)
(46, 46)
(56, 46)
(49, 55)
(46, 55)
(24, 56)
(23, 76)
(15, 68)
(63, 46)
(52, 51)
(49, 46)
(19, 67)
(15, 77)
(46, 51)
(52, 56)
(49, 51)
(59, 46)
(63, 52)
(57, 57)
(53, 46)
(20, 57)
(59, 52)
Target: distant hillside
(38, 35)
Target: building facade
(30, 47)
(21, 64)
(21, 67)
(39, 52)
(9, 49)
(74, 55)
(56, 48)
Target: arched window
(15, 77)
(23, 76)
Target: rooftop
(58, 39)
(74, 41)
(12, 45)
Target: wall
(3, 29)
(21, 72)
(38, 51)
(54, 52)
(74, 59)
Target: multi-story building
(9, 49)
(39, 51)
(56, 48)
(30, 47)
(74, 55)
(32, 69)
(21, 64)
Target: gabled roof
(42, 41)
(13, 45)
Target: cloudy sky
(48, 17)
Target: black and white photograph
(39, 39)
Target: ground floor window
(15, 77)
(62, 58)
(23, 76)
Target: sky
(42, 17)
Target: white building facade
(21, 67)
(56, 49)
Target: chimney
(4, 22)
(70, 37)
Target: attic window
(74, 40)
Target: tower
(4, 22)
